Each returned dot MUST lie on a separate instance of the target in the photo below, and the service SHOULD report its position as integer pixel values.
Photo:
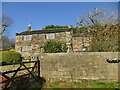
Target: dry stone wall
(79, 66)
(79, 42)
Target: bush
(12, 50)
(52, 46)
(9, 56)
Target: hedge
(9, 56)
(52, 46)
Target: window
(50, 36)
(26, 48)
(27, 37)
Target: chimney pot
(29, 27)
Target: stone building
(32, 41)
(81, 43)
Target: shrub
(9, 56)
(52, 46)
(12, 50)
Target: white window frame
(26, 48)
(27, 37)
(50, 36)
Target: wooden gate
(8, 77)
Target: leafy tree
(52, 46)
(54, 27)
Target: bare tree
(99, 16)
(7, 43)
(6, 21)
(99, 24)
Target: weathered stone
(78, 66)
(37, 41)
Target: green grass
(96, 84)
(64, 84)
(83, 84)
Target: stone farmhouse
(32, 41)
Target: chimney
(29, 27)
(70, 26)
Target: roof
(45, 31)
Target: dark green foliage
(52, 46)
(8, 56)
(54, 27)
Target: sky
(60, 0)
(41, 14)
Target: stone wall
(78, 66)
(79, 42)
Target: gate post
(38, 61)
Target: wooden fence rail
(8, 79)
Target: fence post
(38, 66)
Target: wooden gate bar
(14, 78)
(8, 80)
(29, 71)
(16, 70)
(38, 68)
(12, 63)
(35, 65)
